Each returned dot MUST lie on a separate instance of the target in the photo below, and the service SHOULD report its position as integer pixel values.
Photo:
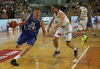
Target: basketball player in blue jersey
(29, 34)
(89, 24)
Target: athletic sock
(57, 48)
(17, 57)
(82, 37)
(75, 48)
(93, 33)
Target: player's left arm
(61, 18)
(88, 15)
(93, 15)
(43, 29)
(23, 22)
(79, 11)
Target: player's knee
(55, 39)
(17, 46)
(68, 43)
(28, 48)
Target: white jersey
(65, 21)
(83, 13)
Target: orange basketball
(13, 24)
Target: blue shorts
(89, 24)
(25, 37)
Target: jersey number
(84, 11)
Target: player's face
(37, 12)
(89, 7)
(79, 5)
(53, 9)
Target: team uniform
(83, 19)
(89, 24)
(30, 32)
(66, 28)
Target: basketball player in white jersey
(83, 12)
(63, 27)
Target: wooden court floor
(40, 56)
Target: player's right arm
(88, 15)
(50, 23)
(79, 11)
(23, 22)
(93, 15)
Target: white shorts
(82, 25)
(61, 32)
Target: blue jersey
(90, 12)
(30, 32)
(89, 24)
(33, 26)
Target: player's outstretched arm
(93, 15)
(61, 18)
(23, 22)
(79, 11)
(44, 32)
(88, 15)
(50, 24)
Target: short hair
(36, 8)
(80, 3)
(55, 5)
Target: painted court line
(44, 43)
(54, 64)
(49, 57)
(80, 58)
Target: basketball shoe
(13, 62)
(56, 53)
(85, 38)
(75, 52)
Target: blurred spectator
(7, 25)
(24, 15)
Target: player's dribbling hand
(43, 40)
(54, 28)
(47, 30)
(76, 21)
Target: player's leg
(84, 23)
(82, 28)
(22, 39)
(13, 62)
(55, 41)
(69, 44)
(93, 32)
(89, 24)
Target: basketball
(13, 24)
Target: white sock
(75, 48)
(93, 33)
(17, 57)
(57, 48)
(82, 37)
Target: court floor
(40, 56)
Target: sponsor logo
(7, 54)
